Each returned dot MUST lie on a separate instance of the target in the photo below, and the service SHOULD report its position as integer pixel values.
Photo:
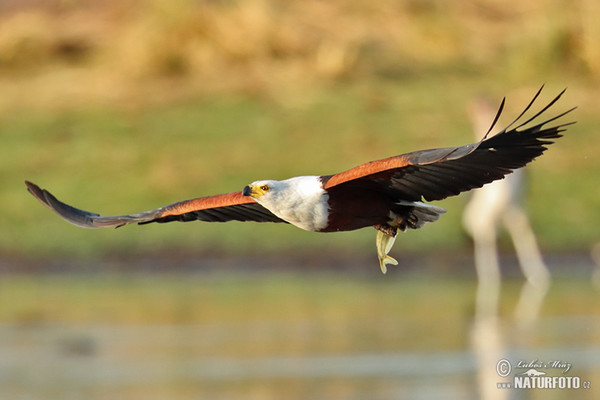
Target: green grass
(114, 161)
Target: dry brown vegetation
(66, 51)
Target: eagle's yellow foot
(384, 244)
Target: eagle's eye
(264, 188)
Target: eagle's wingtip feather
(68, 213)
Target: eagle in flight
(386, 194)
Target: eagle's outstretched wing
(219, 208)
(438, 173)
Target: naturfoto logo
(538, 374)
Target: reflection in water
(488, 348)
(141, 361)
(315, 335)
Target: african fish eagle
(386, 194)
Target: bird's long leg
(384, 242)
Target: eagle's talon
(384, 243)
(387, 260)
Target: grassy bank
(113, 161)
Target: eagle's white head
(301, 201)
(264, 189)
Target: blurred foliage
(119, 106)
(122, 50)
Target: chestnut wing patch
(219, 208)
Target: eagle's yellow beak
(255, 191)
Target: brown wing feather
(438, 173)
(219, 208)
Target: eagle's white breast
(301, 201)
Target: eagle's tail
(419, 214)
